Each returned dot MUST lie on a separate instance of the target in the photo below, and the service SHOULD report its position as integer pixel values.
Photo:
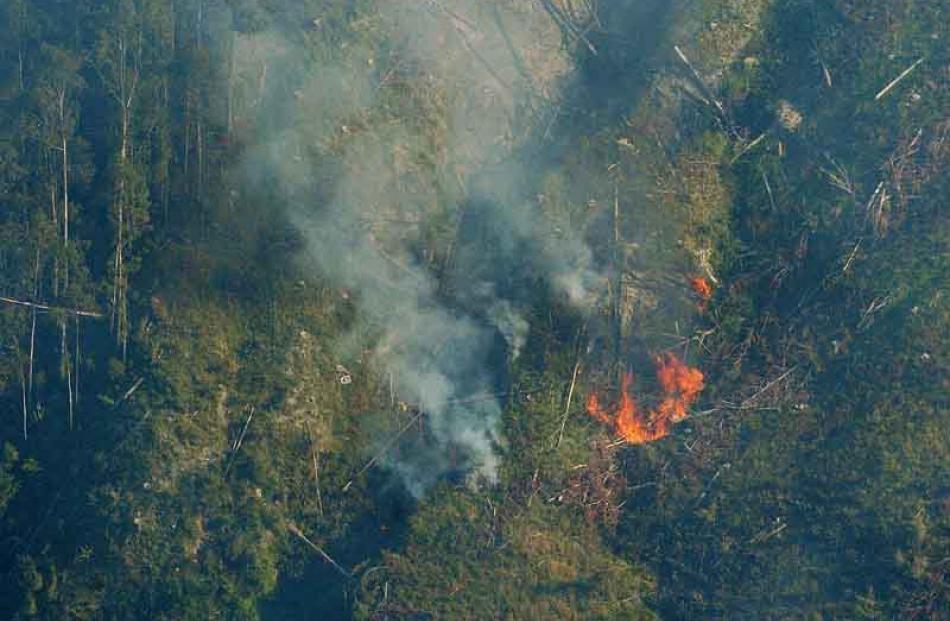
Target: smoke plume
(401, 155)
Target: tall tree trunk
(23, 401)
(198, 26)
(65, 191)
(125, 85)
(19, 54)
(52, 204)
(36, 293)
(21, 19)
(68, 372)
(77, 360)
(32, 353)
(187, 146)
(231, 70)
(53, 193)
(200, 146)
(64, 146)
(120, 279)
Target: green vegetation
(200, 420)
(469, 558)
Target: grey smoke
(489, 70)
(512, 325)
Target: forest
(474, 309)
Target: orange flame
(701, 287)
(681, 385)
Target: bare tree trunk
(52, 204)
(77, 359)
(32, 352)
(36, 291)
(62, 120)
(125, 85)
(198, 37)
(231, 70)
(118, 293)
(166, 163)
(115, 291)
(65, 192)
(55, 219)
(69, 378)
(187, 145)
(19, 54)
(21, 19)
(200, 144)
(23, 401)
(62, 130)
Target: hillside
(474, 309)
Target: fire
(594, 409)
(680, 385)
(703, 289)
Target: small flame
(703, 290)
(680, 384)
(701, 287)
(596, 410)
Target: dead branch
(903, 169)
(875, 210)
(707, 92)
(709, 485)
(295, 530)
(239, 441)
(874, 195)
(567, 25)
(825, 72)
(457, 23)
(839, 177)
(854, 251)
(392, 441)
(778, 379)
(768, 189)
(896, 81)
(46, 307)
(766, 535)
(567, 406)
(747, 404)
(316, 469)
(130, 391)
(748, 147)
(867, 318)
